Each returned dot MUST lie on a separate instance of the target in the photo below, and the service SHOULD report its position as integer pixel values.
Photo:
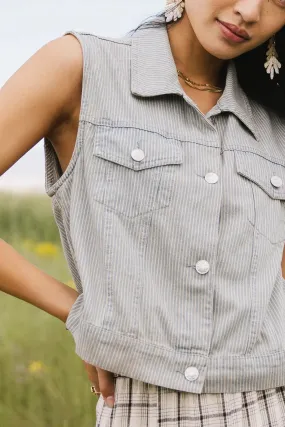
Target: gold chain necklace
(200, 86)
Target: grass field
(43, 382)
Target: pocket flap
(263, 171)
(116, 144)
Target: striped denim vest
(172, 224)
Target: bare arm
(34, 103)
(20, 278)
(36, 100)
(39, 98)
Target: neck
(191, 58)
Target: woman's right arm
(39, 98)
(36, 100)
(22, 279)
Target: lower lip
(229, 35)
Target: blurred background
(42, 381)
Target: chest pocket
(265, 197)
(135, 170)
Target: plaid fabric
(138, 404)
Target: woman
(165, 163)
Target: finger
(92, 375)
(107, 385)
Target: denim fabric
(172, 224)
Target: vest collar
(153, 70)
(153, 73)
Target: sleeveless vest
(172, 223)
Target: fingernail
(110, 401)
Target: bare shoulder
(67, 60)
(67, 50)
(41, 94)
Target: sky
(25, 26)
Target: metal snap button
(202, 267)
(137, 154)
(191, 373)
(211, 178)
(276, 181)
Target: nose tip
(249, 10)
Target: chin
(221, 52)
(223, 56)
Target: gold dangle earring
(272, 64)
(174, 10)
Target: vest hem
(164, 367)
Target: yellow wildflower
(36, 366)
(46, 249)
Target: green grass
(27, 216)
(58, 394)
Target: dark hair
(251, 73)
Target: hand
(103, 382)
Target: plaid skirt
(139, 404)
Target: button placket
(202, 267)
(211, 178)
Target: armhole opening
(54, 177)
